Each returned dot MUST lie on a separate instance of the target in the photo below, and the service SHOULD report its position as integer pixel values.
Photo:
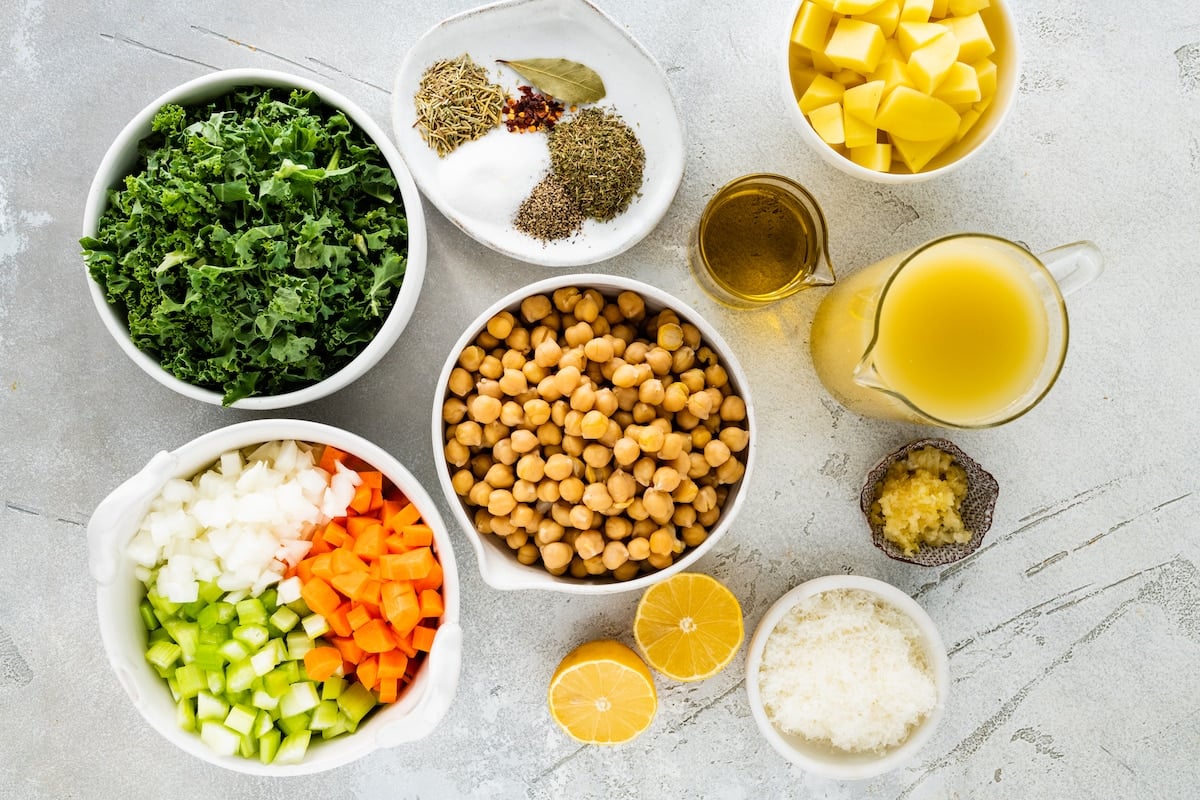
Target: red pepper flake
(531, 111)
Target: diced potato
(858, 133)
(974, 42)
(799, 57)
(821, 92)
(961, 85)
(822, 62)
(855, 45)
(886, 15)
(929, 65)
(854, 6)
(802, 78)
(915, 35)
(862, 101)
(848, 78)
(828, 122)
(915, 155)
(986, 70)
(940, 9)
(969, 118)
(873, 156)
(893, 73)
(812, 26)
(909, 114)
(916, 11)
(961, 8)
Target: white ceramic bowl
(420, 707)
(480, 185)
(1003, 29)
(120, 160)
(823, 759)
(497, 562)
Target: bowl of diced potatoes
(899, 91)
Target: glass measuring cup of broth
(966, 331)
(760, 239)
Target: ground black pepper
(549, 213)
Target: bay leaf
(561, 78)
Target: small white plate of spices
(575, 169)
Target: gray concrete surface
(1074, 635)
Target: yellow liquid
(962, 337)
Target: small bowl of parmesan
(847, 677)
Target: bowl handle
(445, 661)
(119, 513)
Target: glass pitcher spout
(867, 375)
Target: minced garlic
(919, 499)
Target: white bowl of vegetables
(254, 239)
(278, 597)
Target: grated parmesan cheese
(847, 669)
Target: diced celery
(336, 729)
(190, 611)
(222, 740)
(262, 723)
(241, 719)
(300, 607)
(301, 697)
(239, 675)
(263, 699)
(266, 659)
(210, 593)
(325, 716)
(186, 635)
(251, 612)
(159, 634)
(249, 747)
(268, 745)
(298, 643)
(356, 701)
(163, 654)
(288, 590)
(147, 613)
(220, 613)
(284, 619)
(185, 715)
(208, 657)
(210, 707)
(292, 748)
(173, 686)
(290, 725)
(254, 635)
(162, 604)
(216, 633)
(190, 680)
(233, 650)
(332, 687)
(292, 670)
(216, 681)
(315, 625)
(277, 682)
(270, 600)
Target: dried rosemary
(456, 103)
(549, 213)
(599, 161)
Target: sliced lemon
(602, 693)
(689, 627)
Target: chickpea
(597, 455)
(547, 353)
(686, 420)
(583, 398)
(621, 486)
(560, 512)
(457, 453)
(566, 380)
(469, 433)
(615, 554)
(523, 516)
(636, 511)
(549, 434)
(482, 521)
(731, 471)
(735, 439)
(676, 396)
(462, 481)
(716, 376)
(471, 357)
(527, 554)
(716, 453)
(558, 412)
(559, 467)
(582, 518)
(699, 467)
(571, 489)
(626, 451)
(484, 409)
(524, 491)
(501, 325)
(650, 438)
(573, 358)
(625, 376)
(578, 335)
(617, 527)
(453, 411)
(682, 360)
(657, 561)
(519, 340)
(659, 361)
(686, 491)
(662, 541)
(531, 468)
(547, 491)
(638, 549)
(700, 436)
(684, 516)
(566, 298)
(589, 544)
(524, 441)
(706, 500)
(709, 518)
(512, 359)
(624, 333)
(500, 476)
(513, 382)
(733, 409)
(626, 571)
(501, 502)
(486, 340)
(650, 393)
(589, 306)
(573, 445)
(670, 336)
(491, 368)
(666, 479)
(556, 555)
(548, 531)
(517, 539)
(488, 388)
(597, 498)
(635, 352)
(598, 349)
(535, 307)
(632, 306)
(460, 382)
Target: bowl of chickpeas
(593, 435)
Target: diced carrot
(362, 498)
(367, 672)
(320, 597)
(370, 543)
(431, 581)
(431, 603)
(329, 458)
(395, 544)
(392, 664)
(319, 546)
(402, 609)
(303, 570)
(335, 534)
(321, 566)
(422, 638)
(322, 662)
(339, 620)
(349, 648)
(404, 644)
(418, 536)
(356, 525)
(372, 592)
(406, 514)
(358, 617)
(343, 560)
(371, 478)
(389, 690)
(350, 584)
(376, 500)
(413, 565)
(374, 637)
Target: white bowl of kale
(254, 240)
